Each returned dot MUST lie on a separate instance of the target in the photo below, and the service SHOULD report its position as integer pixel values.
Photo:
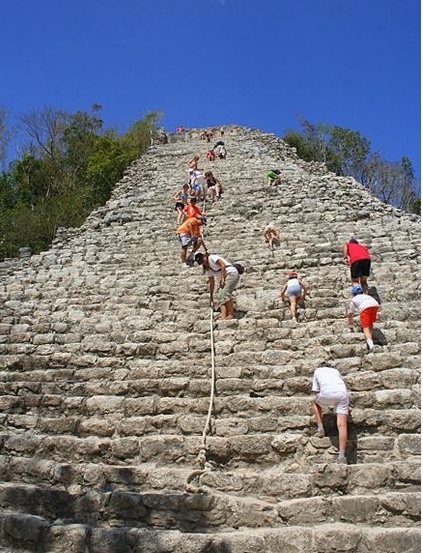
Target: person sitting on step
(295, 290)
(367, 308)
(330, 391)
(214, 188)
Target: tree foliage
(347, 153)
(69, 166)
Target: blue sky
(256, 63)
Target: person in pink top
(359, 260)
(367, 308)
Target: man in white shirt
(216, 267)
(330, 391)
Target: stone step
(29, 531)
(229, 449)
(207, 510)
(281, 482)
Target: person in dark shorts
(359, 261)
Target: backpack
(239, 268)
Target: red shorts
(368, 317)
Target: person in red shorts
(367, 308)
(359, 260)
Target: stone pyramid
(110, 442)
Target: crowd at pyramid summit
(203, 187)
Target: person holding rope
(189, 234)
(218, 268)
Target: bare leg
(223, 311)
(363, 283)
(229, 309)
(293, 306)
(367, 331)
(341, 421)
(318, 413)
(184, 254)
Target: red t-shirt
(357, 252)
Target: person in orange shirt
(189, 234)
(192, 209)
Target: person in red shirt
(359, 261)
(189, 234)
(211, 156)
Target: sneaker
(342, 461)
(320, 433)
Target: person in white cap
(367, 308)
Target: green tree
(347, 152)
(105, 167)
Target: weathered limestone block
(292, 540)
(139, 406)
(314, 510)
(362, 381)
(382, 443)
(104, 404)
(409, 444)
(287, 443)
(405, 418)
(370, 476)
(397, 540)
(329, 477)
(337, 537)
(97, 427)
(230, 427)
(393, 398)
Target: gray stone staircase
(105, 372)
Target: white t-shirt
(215, 268)
(293, 283)
(327, 380)
(362, 302)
